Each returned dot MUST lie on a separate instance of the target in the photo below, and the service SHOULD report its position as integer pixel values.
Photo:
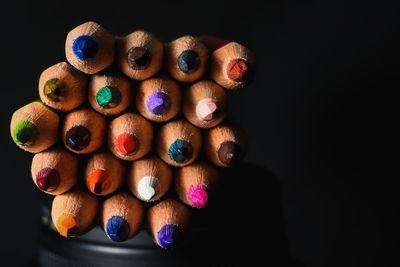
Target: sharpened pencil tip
(126, 143)
(85, 47)
(158, 103)
(169, 235)
(237, 69)
(66, 225)
(117, 229)
(99, 181)
(188, 61)
(47, 179)
(197, 195)
(206, 109)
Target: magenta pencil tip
(197, 195)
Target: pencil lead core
(197, 195)
(169, 235)
(25, 132)
(117, 229)
(99, 181)
(51, 89)
(78, 137)
(138, 58)
(148, 186)
(237, 69)
(188, 61)
(108, 97)
(85, 47)
(158, 103)
(229, 153)
(206, 109)
(48, 179)
(66, 225)
(126, 143)
(180, 151)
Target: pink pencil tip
(206, 109)
(197, 195)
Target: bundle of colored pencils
(135, 120)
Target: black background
(319, 115)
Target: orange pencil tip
(99, 181)
(66, 225)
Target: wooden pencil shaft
(34, 127)
(140, 55)
(178, 143)
(204, 104)
(194, 182)
(84, 131)
(62, 87)
(104, 173)
(225, 145)
(121, 216)
(90, 48)
(232, 66)
(130, 136)
(158, 99)
(186, 59)
(74, 212)
(109, 94)
(54, 171)
(149, 178)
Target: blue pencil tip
(85, 47)
(117, 229)
(169, 235)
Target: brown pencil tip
(229, 153)
(66, 225)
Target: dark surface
(319, 114)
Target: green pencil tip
(24, 132)
(108, 97)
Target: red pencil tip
(237, 69)
(126, 143)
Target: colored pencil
(74, 212)
(186, 59)
(140, 55)
(34, 127)
(104, 173)
(158, 99)
(130, 136)
(90, 48)
(121, 216)
(195, 182)
(62, 87)
(149, 178)
(54, 171)
(225, 145)
(232, 66)
(109, 94)
(178, 143)
(84, 131)
(204, 104)
(167, 222)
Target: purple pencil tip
(158, 103)
(169, 235)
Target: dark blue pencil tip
(188, 61)
(85, 47)
(169, 235)
(117, 229)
